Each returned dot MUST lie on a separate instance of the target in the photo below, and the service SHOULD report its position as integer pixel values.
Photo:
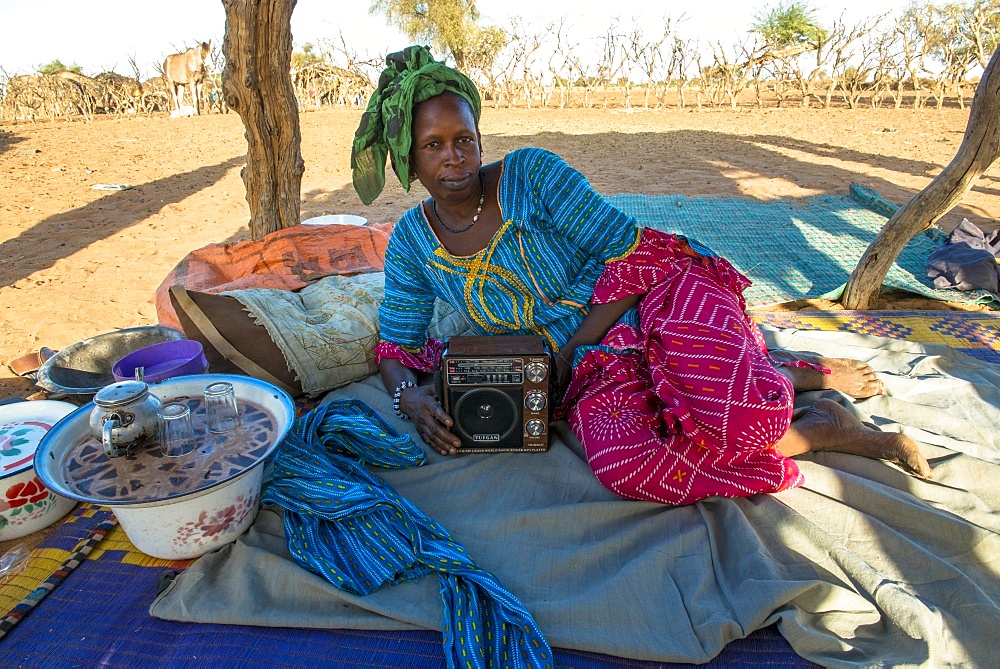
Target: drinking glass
(221, 412)
(176, 431)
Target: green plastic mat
(796, 249)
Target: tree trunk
(980, 148)
(257, 86)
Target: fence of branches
(930, 56)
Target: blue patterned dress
(535, 276)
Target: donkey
(187, 69)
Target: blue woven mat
(795, 249)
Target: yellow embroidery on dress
(473, 314)
(479, 275)
(479, 272)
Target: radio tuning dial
(534, 428)
(536, 371)
(535, 401)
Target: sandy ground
(76, 262)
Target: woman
(668, 384)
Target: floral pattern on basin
(212, 526)
(18, 441)
(25, 501)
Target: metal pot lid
(86, 366)
(120, 394)
(22, 427)
(71, 460)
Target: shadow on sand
(33, 249)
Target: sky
(101, 35)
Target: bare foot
(827, 426)
(851, 377)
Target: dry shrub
(322, 84)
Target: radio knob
(536, 371)
(535, 401)
(534, 428)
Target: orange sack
(288, 259)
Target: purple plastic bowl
(163, 361)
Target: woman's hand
(431, 420)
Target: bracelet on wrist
(397, 394)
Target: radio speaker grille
(488, 416)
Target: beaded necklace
(479, 210)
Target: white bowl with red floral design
(194, 524)
(26, 504)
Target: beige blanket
(328, 330)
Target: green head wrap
(410, 77)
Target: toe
(908, 454)
(870, 385)
(918, 465)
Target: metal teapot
(124, 416)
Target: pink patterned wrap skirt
(689, 405)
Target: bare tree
(887, 74)
(684, 56)
(780, 73)
(914, 27)
(945, 44)
(894, 63)
(560, 69)
(729, 75)
(581, 71)
(979, 25)
(508, 64)
(757, 69)
(613, 58)
(840, 49)
(648, 55)
(799, 78)
(856, 76)
(526, 45)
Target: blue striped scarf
(347, 525)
